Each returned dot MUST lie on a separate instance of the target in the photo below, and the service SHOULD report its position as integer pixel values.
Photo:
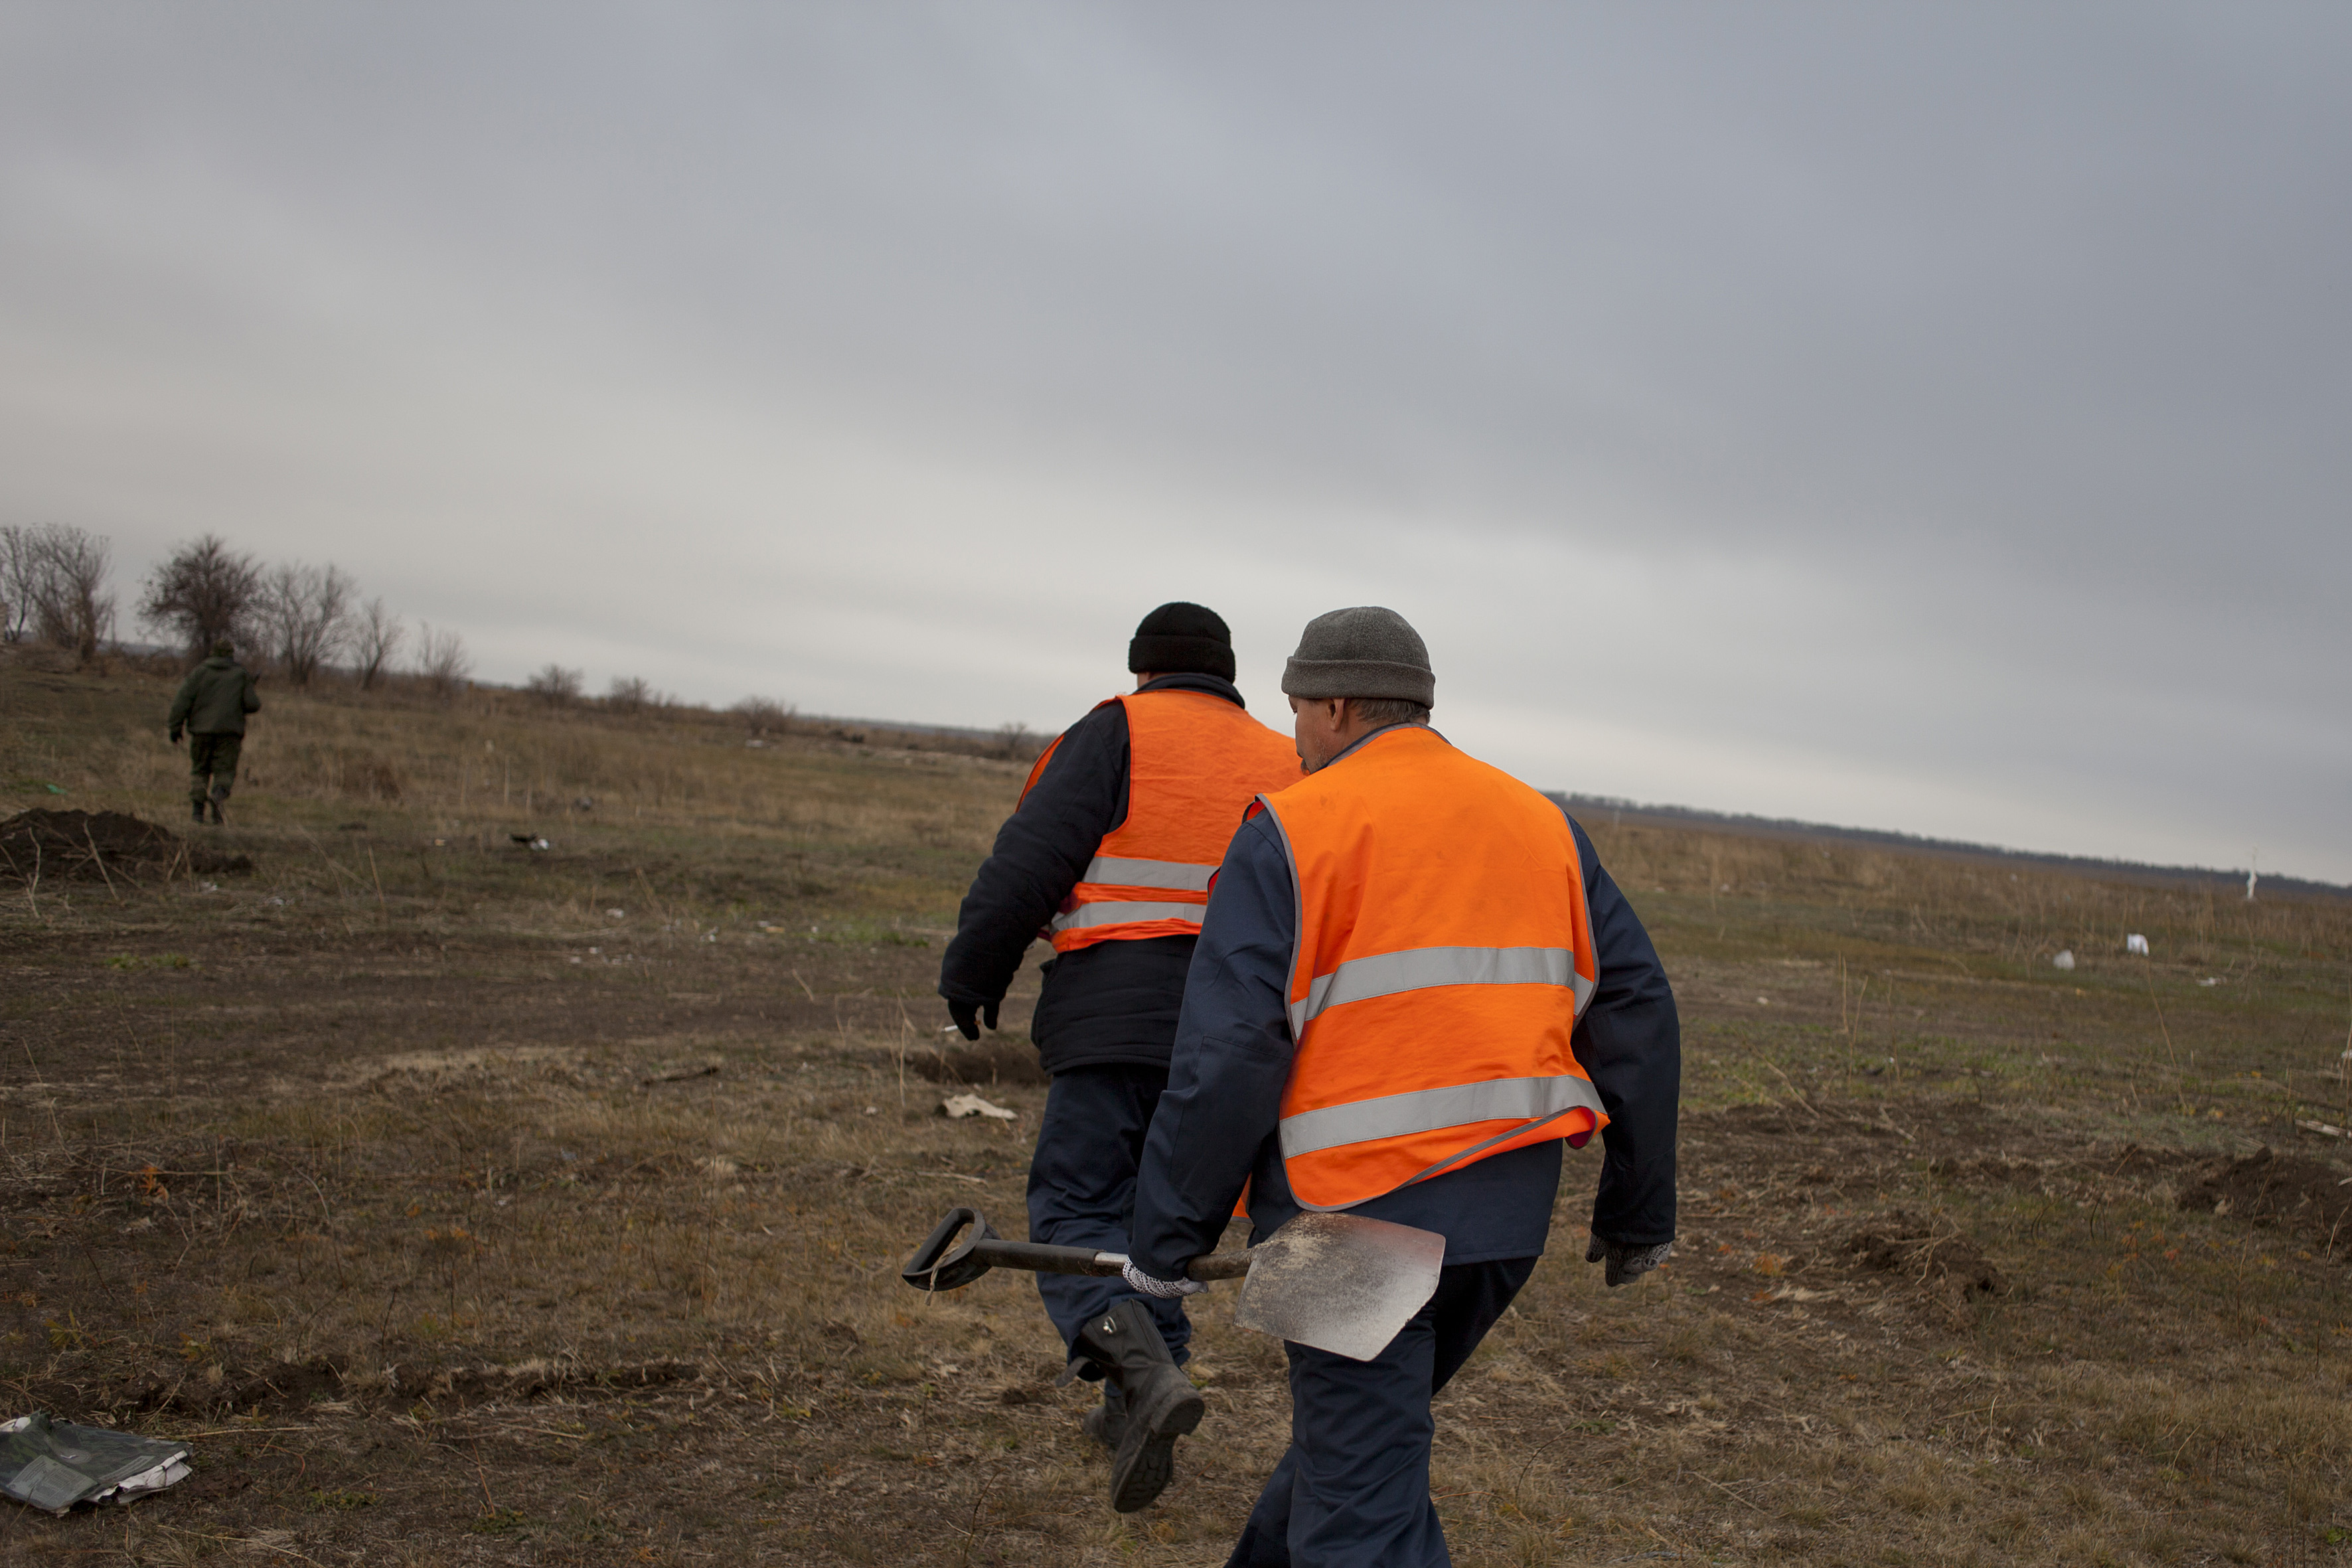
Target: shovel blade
(1340, 1282)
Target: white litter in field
(957, 1107)
(55, 1465)
(2135, 943)
(2210, 980)
(2064, 961)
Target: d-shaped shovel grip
(943, 1263)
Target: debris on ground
(1902, 1242)
(2268, 1188)
(54, 1465)
(101, 846)
(958, 1106)
(999, 1060)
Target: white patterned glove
(1166, 1290)
(1626, 1262)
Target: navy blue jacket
(1112, 1003)
(1216, 1123)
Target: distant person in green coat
(211, 706)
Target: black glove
(176, 737)
(1626, 1262)
(968, 1013)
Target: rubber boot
(1161, 1402)
(1107, 1422)
(200, 810)
(217, 818)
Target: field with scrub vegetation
(469, 1200)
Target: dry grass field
(468, 1201)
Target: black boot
(217, 818)
(1107, 1422)
(200, 810)
(1161, 1402)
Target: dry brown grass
(453, 1251)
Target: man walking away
(211, 706)
(1111, 851)
(1414, 982)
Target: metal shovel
(1337, 1282)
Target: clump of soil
(2270, 1188)
(1902, 1242)
(100, 846)
(1003, 1059)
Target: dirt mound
(2271, 1189)
(100, 846)
(1925, 1250)
(999, 1060)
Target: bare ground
(457, 1219)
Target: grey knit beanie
(1366, 651)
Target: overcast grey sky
(1936, 419)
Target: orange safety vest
(1194, 762)
(1444, 955)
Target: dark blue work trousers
(1081, 1189)
(1353, 1488)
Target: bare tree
(202, 593)
(376, 635)
(765, 715)
(628, 694)
(555, 685)
(70, 605)
(442, 661)
(306, 612)
(22, 572)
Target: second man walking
(1124, 820)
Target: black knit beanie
(1181, 638)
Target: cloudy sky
(1936, 419)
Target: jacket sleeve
(1630, 1043)
(182, 704)
(1231, 1061)
(1041, 853)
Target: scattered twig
(98, 860)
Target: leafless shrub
(202, 593)
(57, 587)
(376, 635)
(1017, 741)
(765, 715)
(555, 685)
(631, 694)
(442, 661)
(304, 612)
(20, 574)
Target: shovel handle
(944, 1263)
(1040, 1259)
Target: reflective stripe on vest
(1386, 974)
(1177, 874)
(1443, 958)
(1427, 1109)
(1122, 911)
(1195, 761)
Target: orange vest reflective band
(1194, 764)
(1444, 955)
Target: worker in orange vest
(1415, 987)
(1109, 854)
